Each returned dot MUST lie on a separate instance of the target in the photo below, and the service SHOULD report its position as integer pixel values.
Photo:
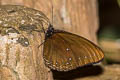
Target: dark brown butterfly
(64, 51)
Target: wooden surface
(76, 16)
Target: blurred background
(109, 31)
(85, 18)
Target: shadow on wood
(78, 73)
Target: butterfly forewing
(64, 51)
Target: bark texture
(26, 63)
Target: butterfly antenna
(52, 13)
(41, 43)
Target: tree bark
(75, 16)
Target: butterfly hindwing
(65, 51)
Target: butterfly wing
(65, 51)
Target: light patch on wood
(11, 38)
(64, 15)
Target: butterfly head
(50, 31)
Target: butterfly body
(49, 32)
(64, 51)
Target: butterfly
(64, 51)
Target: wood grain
(76, 16)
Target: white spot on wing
(67, 49)
(70, 59)
(53, 65)
(85, 56)
(67, 63)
